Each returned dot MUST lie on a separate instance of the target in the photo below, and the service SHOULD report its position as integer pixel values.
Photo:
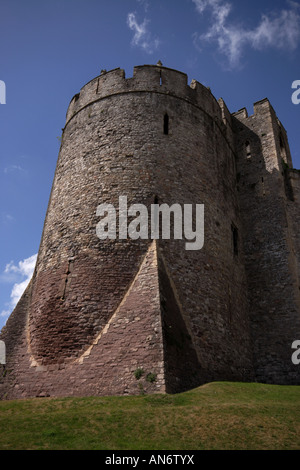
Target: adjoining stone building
(103, 317)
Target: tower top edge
(160, 67)
(121, 72)
(259, 107)
(146, 78)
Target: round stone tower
(118, 315)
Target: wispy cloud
(7, 219)
(279, 29)
(14, 168)
(145, 4)
(20, 274)
(142, 36)
(5, 313)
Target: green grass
(219, 415)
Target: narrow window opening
(248, 149)
(281, 141)
(282, 149)
(67, 279)
(235, 239)
(155, 199)
(263, 186)
(285, 166)
(160, 79)
(166, 124)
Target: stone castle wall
(269, 241)
(97, 310)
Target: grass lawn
(219, 415)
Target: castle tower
(118, 316)
(270, 210)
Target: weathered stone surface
(269, 202)
(98, 313)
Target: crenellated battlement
(264, 128)
(145, 79)
(259, 107)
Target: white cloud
(201, 5)
(20, 274)
(24, 267)
(142, 37)
(7, 219)
(18, 290)
(279, 30)
(5, 313)
(145, 4)
(13, 168)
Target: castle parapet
(260, 108)
(146, 78)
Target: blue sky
(243, 50)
